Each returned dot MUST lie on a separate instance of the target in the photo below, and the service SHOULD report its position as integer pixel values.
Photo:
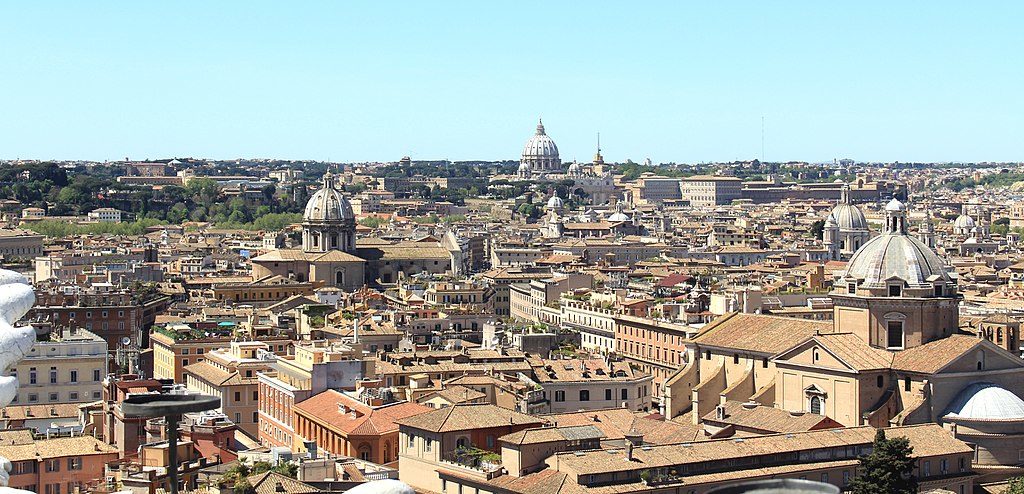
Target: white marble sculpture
(16, 298)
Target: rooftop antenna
(598, 143)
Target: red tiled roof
(362, 420)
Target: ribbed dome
(894, 254)
(986, 401)
(849, 217)
(328, 204)
(964, 222)
(554, 202)
(540, 145)
(901, 256)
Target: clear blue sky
(351, 81)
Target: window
(764, 363)
(625, 393)
(559, 395)
(926, 469)
(32, 398)
(938, 290)
(428, 444)
(945, 466)
(707, 355)
(881, 381)
(735, 358)
(412, 442)
(816, 405)
(52, 465)
(584, 395)
(75, 463)
(32, 376)
(54, 397)
(53, 375)
(238, 396)
(895, 334)
(96, 375)
(238, 418)
(490, 442)
(896, 290)
(184, 362)
(74, 377)
(906, 384)
(824, 477)
(846, 477)
(73, 395)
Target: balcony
(477, 461)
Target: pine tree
(888, 468)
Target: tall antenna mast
(762, 138)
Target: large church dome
(328, 204)
(895, 254)
(540, 152)
(963, 222)
(540, 145)
(986, 401)
(849, 217)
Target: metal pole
(172, 453)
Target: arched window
(315, 239)
(339, 278)
(387, 452)
(334, 240)
(816, 405)
(881, 381)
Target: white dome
(849, 217)
(328, 204)
(383, 486)
(554, 203)
(986, 401)
(618, 216)
(963, 222)
(574, 168)
(895, 206)
(540, 145)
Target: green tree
(373, 221)
(888, 468)
(243, 487)
(817, 228)
(1015, 486)
(203, 190)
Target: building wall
(80, 368)
(37, 478)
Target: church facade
(331, 256)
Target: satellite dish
(126, 341)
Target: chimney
(633, 439)
(720, 412)
(279, 487)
